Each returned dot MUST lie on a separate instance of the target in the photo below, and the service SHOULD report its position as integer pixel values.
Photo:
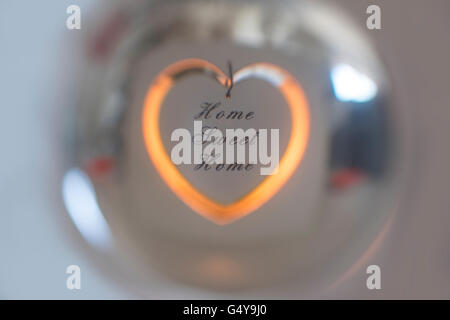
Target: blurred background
(38, 241)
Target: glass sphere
(334, 207)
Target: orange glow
(216, 212)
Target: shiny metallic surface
(324, 219)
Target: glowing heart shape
(203, 205)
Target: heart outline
(218, 213)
